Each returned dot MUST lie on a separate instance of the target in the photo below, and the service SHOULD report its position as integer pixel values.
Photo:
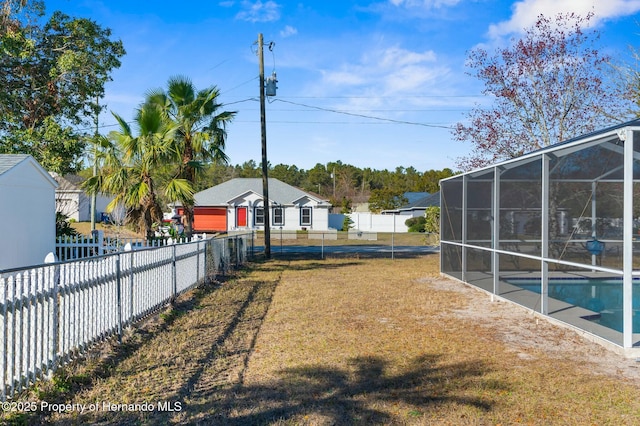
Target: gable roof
(68, 183)
(279, 192)
(9, 162)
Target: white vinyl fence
(49, 313)
(82, 246)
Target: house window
(278, 216)
(258, 216)
(305, 216)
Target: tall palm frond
(199, 133)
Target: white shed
(73, 202)
(27, 211)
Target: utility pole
(265, 170)
(95, 166)
(333, 175)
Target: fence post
(98, 238)
(197, 260)
(55, 325)
(205, 260)
(119, 296)
(175, 273)
(129, 248)
(236, 246)
(223, 256)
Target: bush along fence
(82, 246)
(49, 313)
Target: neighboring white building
(417, 207)
(390, 220)
(73, 202)
(27, 211)
(238, 204)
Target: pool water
(602, 295)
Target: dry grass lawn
(342, 342)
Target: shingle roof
(424, 202)
(432, 200)
(279, 192)
(68, 182)
(9, 161)
(414, 196)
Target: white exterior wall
(379, 222)
(291, 219)
(319, 218)
(27, 215)
(77, 205)
(67, 203)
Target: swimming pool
(602, 295)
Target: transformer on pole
(271, 87)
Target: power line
(387, 97)
(240, 85)
(335, 111)
(328, 122)
(391, 120)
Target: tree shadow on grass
(282, 263)
(364, 393)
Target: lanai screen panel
(586, 203)
(451, 226)
(636, 215)
(479, 228)
(452, 210)
(479, 208)
(520, 207)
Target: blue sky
(372, 83)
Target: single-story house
(417, 207)
(27, 211)
(237, 204)
(73, 202)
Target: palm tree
(130, 163)
(200, 130)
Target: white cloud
(526, 12)
(395, 56)
(288, 31)
(259, 11)
(349, 76)
(390, 71)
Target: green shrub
(347, 223)
(416, 224)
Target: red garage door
(208, 219)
